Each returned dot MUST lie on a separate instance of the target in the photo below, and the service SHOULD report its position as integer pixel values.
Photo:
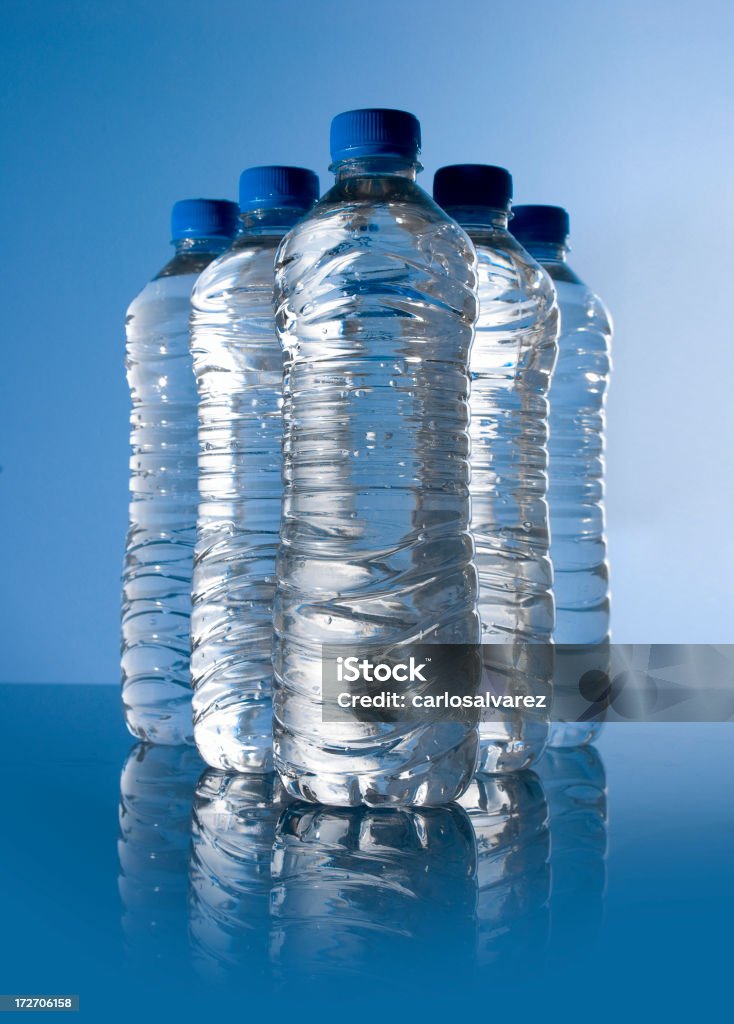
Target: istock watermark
(351, 669)
(612, 682)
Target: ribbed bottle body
(159, 550)
(376, 302)
(511, 366)
(238, 365)
(576, 490)
(576, 479)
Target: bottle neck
(276, 220)
(201, 246)
(479, 218)
(547, 252)
(376, 166)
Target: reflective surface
(156, 890)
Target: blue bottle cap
(375, 132)
(473, 185)
(540, 224)
(266, 188)
(204, 218)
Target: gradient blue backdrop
(111, 111)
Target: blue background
(111, 112)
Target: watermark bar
(609, 682)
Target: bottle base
(500, 754)
(236, 739)
(162, 729)
(435, 784)
(361, 791)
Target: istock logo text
(349, 670)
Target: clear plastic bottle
(238, 364)
(156, 789)
(233, 831)
(509, 816)
(511, 366)
(156, 603)
(576, 481)
(357, 891)
(376, 303)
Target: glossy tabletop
(600, 887)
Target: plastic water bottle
(509, 816)
(511, 366)
(156, 789)
(233, 831)
(376, 303)
(575, 788)
(357, 891)
(576, 489)
(156, 691)
(238, 364)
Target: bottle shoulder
(162, 295)
(184, 264)
(561, 273)
(503, 261)
(367, 215)
(247, 264)
(600, 315)
(517, 300)
(378, 253)
(379, 192)
(581, 309)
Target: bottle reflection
(575, 787)
(359, 891)
(156, 788)
(233, 829)
(509, 815)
